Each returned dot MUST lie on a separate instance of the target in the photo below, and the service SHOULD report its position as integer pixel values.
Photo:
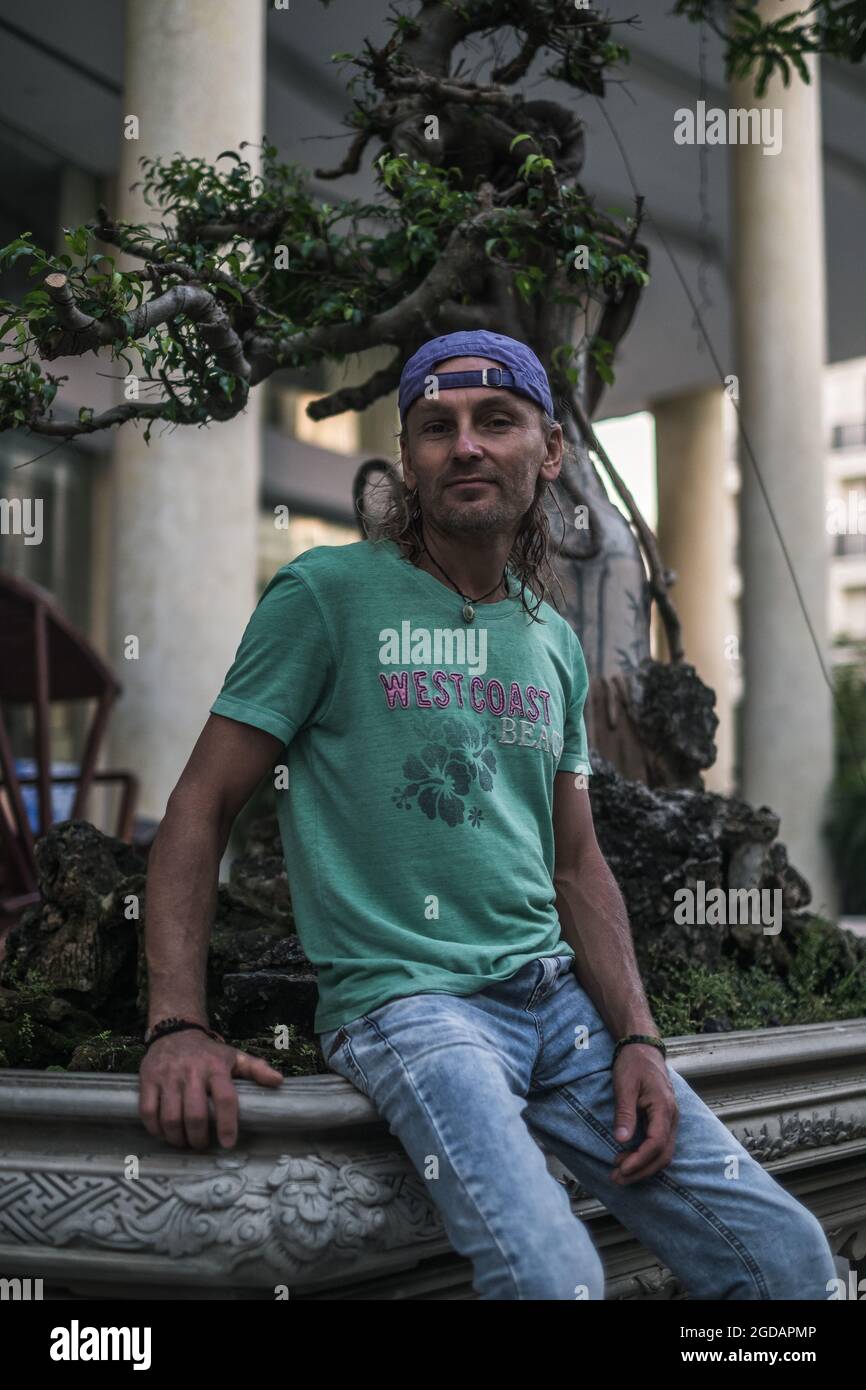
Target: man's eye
(493, 420)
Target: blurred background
(174, 541)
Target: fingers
(225, 1103)
(625, 1113)
(175, 1085)
(657, 1149)
(180, 1110)
(225, 1096)
(256, 1069)
(195, 1114)
(148, 1106)
(171, 1115)
(626, 1088)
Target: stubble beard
(501, 515)
(474, 520)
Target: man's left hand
(641, 1082)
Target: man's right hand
(178, 1073)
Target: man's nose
(466, 445)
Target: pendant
(468, 612)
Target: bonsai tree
(481, 221)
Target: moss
(38, 1029)
(300, 1057)
(826, 981)
(28, 1043)
(35, 984)
(104, 1052)
(110, 1052)
(820, 977)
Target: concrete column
(185, 506)
(695, 540)
(779, 298)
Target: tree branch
(381, 383)
(660, 578)
(412, 320)
(79, 333)
(117, 415)
(352, 160)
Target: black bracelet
(176, 1025)
(640, 1038)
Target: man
(477, 979)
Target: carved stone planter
(319, 1201)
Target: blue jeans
(473, 1086)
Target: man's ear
(553, 461)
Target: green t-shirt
(417, 823)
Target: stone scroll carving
(299, 1213)
(796, 1133)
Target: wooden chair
(44, 659)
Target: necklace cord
(466, 597)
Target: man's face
(484, 433)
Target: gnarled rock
(258, 876)
(659, 841)
(84, 941)
(654, 723)
(80, 953)
(82, 937)
(37, 1027)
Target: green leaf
(16, 248)
(77, 240)
(764, 76)
(21, 251)
(748, 19)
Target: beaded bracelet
(640, 1038)
(176, 1025)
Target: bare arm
(224, 769)
(226, 765)
(595, 924)
(594, 917)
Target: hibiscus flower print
(446, 770)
